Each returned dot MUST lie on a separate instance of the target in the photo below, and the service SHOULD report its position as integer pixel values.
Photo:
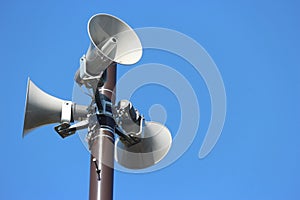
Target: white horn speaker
(112, 40)
(153, 147)
(42, 109)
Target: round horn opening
(114, 39)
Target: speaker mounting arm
(129, 119)
(82, 77)
(128, 140)
(108, 115)
(65, 129)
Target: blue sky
(256, 47)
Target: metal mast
(102, 147)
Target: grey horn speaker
(112, 40)
(155, 143)
(42, 109)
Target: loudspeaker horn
(153, 147)
(112, 40)
(42, 109)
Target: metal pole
(102, 150)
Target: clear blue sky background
(256, 46)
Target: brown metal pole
(102, 150)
